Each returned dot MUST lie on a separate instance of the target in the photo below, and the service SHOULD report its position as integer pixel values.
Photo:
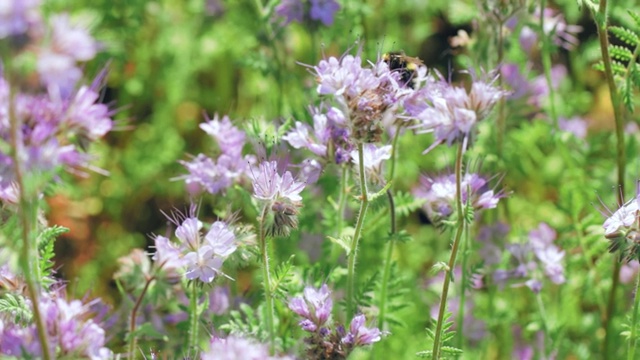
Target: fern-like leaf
(364, 295)
(635, 16)
(620, 53)
(17, 307)
(282, 278)
(246, 322)
(627, 36)
(46, 240)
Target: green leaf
(282, 278)
(344, 242)
(627, 36)
(17, 307)
(46, 240)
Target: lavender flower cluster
(538, 258)
(327, 340)
(71, 329)
(58, 119)
(199, 257)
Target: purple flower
(439, 194)
(291, 10)
(201, 257)
(367, 95)
(575, 125)
(622, 229)
(555, 26)
(270, 186)
(71, 332)
(314, 306)
(629, 271)
(360, 335)
(329, 132)
(281, 195)
(534, 259)
(234, 347)
(18, 16)
(69, 44)
(373, 158)
(622, 220)
(324, 10)
(56, 130)
(203, 264)
(215, 175)
(453, 112)
(230, 139)
(492, 247)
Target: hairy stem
(193, 317)
(452, 259)
(266, 279)
(601, 25)
(364, 205)
(546, 63)
(133, 341)
(545, 324)
(387, 262)
(463, 288)
(342, 198)
(27, 212)
(634, 320)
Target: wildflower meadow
(319, 179)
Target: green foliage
(246, 322)
(624, 60)
(283, 279)
(447, 352)
(397, 296)
(16, 307)
(46, 240)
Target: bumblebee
(407, 66)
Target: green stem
(502, 123)
(342, 198)
(133, 341)
(545, 324)
(387, 262)
(364, 205)
(394, 152)
(266, 279)
(634, 319)
(392, 211)
(335, 250)
(546, 63)
(27, 212)
(601, 25)
(463, 288)
(193, 318)
(452, 259)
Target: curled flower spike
(281, 194)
